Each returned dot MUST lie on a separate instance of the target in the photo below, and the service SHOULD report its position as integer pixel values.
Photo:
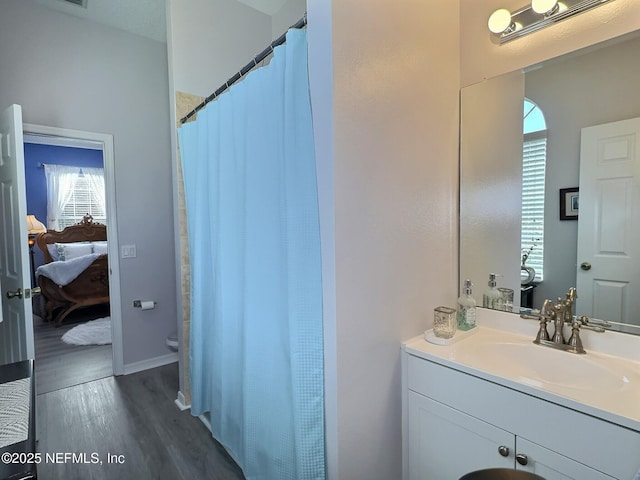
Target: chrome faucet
(561, 313)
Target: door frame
(106, 141)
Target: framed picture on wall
(569, 203)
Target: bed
(75, 273)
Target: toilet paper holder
(144, 305)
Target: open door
(16, 325)
(608, 271)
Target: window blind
(83, 200)
(533, 174)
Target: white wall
(211, 40)
(481, 58)
(69, 73)
(393, 125)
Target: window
(72, 192)
(534, 159)
(85, 198)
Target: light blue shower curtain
(256, 288)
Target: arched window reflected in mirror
(534, 159)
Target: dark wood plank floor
(133, 416)
(59, 365)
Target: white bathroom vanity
(495, 399)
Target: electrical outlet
(128, 251)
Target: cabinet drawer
(604, 446)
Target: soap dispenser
(466, 314)
(491, 298)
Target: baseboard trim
(150, 363)
(207, 423)
(181, 402)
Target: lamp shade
(35, 226)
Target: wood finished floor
(59, 365)
(134, 416)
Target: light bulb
(500, 20)
(546, 7)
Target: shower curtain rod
(246, 69)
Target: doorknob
(17, 293)
(31, 292)
(585, 266)
(522, 459)
(26, 293)
(503, 450)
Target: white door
(16, 328)
(608, 270)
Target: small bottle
(491, 297)
(466, 316)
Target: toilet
(172, 341)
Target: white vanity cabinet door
(551, 465)
(445, 443)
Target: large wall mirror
(550, 171)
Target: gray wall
(71, 73)
(599, 87)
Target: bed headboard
(85, 231)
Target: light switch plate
(128, 251)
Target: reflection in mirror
(534, 160)
(501, 226)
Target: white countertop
(501, 350)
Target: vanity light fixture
(545, 7)
(500, 22)
(541, 13)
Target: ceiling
(141, 17)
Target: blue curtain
(256, 287)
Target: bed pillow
(99, 247)
(67, 251)
(53, 250)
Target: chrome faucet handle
(543, 334)
(575, 342)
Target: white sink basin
(542, 366)
(605, 382)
